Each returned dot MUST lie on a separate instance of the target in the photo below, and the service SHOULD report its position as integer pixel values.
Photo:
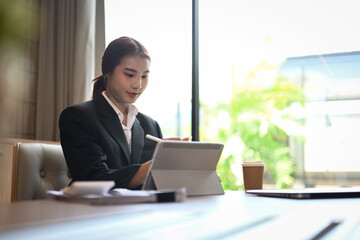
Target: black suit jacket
(95, 146)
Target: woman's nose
(137, 83)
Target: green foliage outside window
(261, 115)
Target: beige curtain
(66, 58)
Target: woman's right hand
(140, 175)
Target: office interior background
(279, 80)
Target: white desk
(231, 216)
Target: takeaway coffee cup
(253, 173)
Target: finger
(172, 138)
(186, 139)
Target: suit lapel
(112, 124)
(137, 142)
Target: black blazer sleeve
(94, 143)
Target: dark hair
(113, 54)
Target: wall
(22, 116)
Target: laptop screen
(309, 193)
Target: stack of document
(102, 192)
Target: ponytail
(99, 86)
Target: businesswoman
(104, 139)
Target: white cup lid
(253, 163)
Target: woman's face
(128, 81)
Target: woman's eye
(145, 76)
(129, 75)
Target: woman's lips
(133, 95)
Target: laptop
(177, 164)
(309, 193)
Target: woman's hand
(140, 175)
(178, 138)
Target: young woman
(104, 139)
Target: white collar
(132, 111)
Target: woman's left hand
(178, 138)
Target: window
(275, 59)
(251, 44)
(332, 85)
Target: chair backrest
(38, 167)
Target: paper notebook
(101, 192)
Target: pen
(153, 138)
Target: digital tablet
(177, 164)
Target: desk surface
(230, 216)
